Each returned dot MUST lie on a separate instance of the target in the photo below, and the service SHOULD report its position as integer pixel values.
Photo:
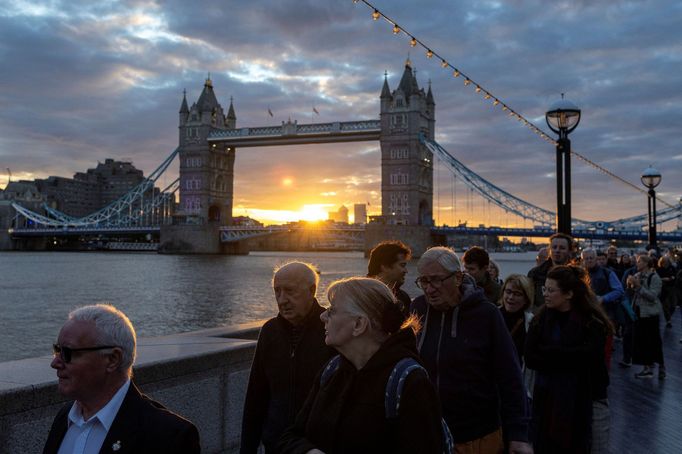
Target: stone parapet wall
(201, 375)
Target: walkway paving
(646, 414)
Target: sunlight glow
(310, 213)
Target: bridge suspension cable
(526, 210)
(129, 208)
(488, 190)
(489, 96)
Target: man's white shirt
(86, 437)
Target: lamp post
(650, 179)
(562, 118)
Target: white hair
(589, 250)
(442, 255)
(113, 328)
(305, 271)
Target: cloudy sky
(81, 81)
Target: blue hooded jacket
(470, 358)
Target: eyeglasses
(435, 282)
(65, 353)
(549, 289)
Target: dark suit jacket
(141, 425)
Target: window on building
(399, 153)
(400, 178)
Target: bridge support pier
(190, 239)
(417, 237)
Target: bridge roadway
(237, 233)
(30, 232)
(585, 234)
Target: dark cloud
(83, 81)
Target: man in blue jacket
(470, 358)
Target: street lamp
(650, 179)
(562, 118)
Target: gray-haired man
(470, 358)
(93, 357)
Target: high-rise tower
(406, 164)
(206, 170)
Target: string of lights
(488, 95)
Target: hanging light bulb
(467, 81)
(504, 107)
(376, 15)
(456, 73)
(496, 102)
(396, 29)
(444, 64)
(478, 89)
(413, 41)
(487, 95)
(429, 53)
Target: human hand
(520, 447)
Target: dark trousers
(627, 340)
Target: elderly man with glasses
(470, 358)
(94, 357)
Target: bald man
(289, 353)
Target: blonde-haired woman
(347, 408)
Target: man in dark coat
(388, 263)
(289, 354)
(469, 356)
(93, 359)
(560, 253)
(476, 261)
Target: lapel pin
(116, 446)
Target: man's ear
(115, 358)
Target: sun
(287, 182)
(313, 213)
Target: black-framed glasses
(65, 353)
(436, 282)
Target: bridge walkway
(646, 414)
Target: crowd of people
(474, 364)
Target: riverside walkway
(646, 414)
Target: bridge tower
(206, 171)
(406, 164)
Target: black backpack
(394, 389)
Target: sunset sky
(82, 81)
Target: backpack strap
(396, 383)
(330, 369)
(394, 389)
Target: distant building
(360, 211)
(339, 216)
(24, 193)
(245, 221)
(89, 191)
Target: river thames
(162, 294)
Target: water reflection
(161, 294)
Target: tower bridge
(208, 140)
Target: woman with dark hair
(347, 410)
(666, 271)
(565, 346)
